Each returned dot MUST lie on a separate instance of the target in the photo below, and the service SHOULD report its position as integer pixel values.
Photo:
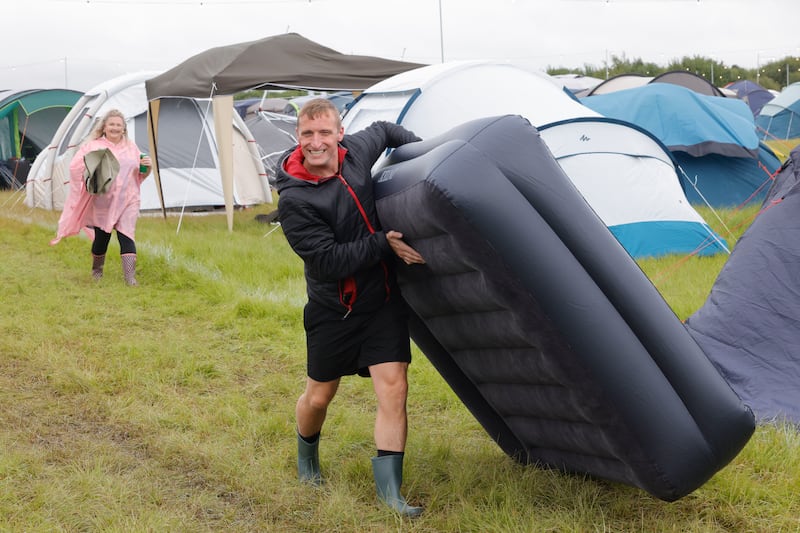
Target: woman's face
(114, 129)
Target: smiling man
(355, 319)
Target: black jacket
(335, 229)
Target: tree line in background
(775, 74)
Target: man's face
(319, 139)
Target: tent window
(64, 146)
(140, 132)
(6, 137)
(183, 135)
(39, 130)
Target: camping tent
(433, 99)
(713, 139)
(681, 78)
(187, 154)
(272, 105)
(630, 180)
(28, 120)
(748, 324)
(274, 133)
(578, 84)
(619, 83)
(341, 99)
(754, 95)
(779, 120)
(690, 80)
(280, 61)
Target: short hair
(319, 106)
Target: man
(355, 320)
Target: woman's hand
(402, 250)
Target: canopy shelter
(280, 61)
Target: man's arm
(313, 240)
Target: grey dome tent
(753, 94)
(748, 326)
(689, 80)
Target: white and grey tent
(619, 83)
(630, 180)
(432, 99)
(187, 153)
(274, 133)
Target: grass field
(170, 406)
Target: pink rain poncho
(116, 209)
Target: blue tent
(748, 326)
(714, 139)
(753, 94)
(728, 181)
(779, 120)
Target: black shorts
(342, 347)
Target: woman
(117, 208)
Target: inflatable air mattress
(542, 324)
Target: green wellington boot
(308, 461)
(388, 471)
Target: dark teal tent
(28, 121)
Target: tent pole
(153, 107)
(223, 125)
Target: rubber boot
(308, 461)
(388, 471)
(98, 261)
(129, 268)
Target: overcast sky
(80, 43)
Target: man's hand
(402, 250)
